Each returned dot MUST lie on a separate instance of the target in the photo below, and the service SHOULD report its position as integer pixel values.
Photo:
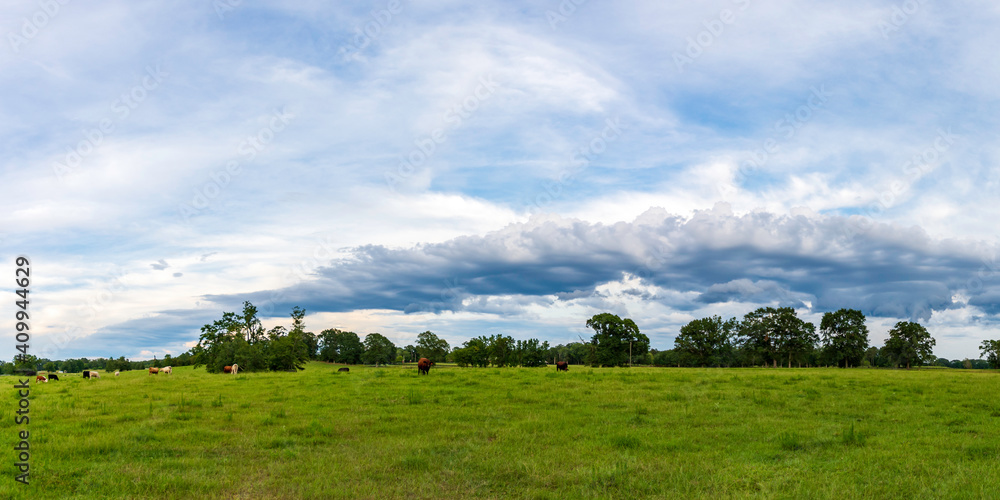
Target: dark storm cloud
(758, 258)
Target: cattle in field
(227, 369)
(41, 378)
(424, 366)
(117, 373)
(562, 366)
(86, 374)
(53, 376)
(166, 369)
(236, 368)
(94, 374)
(154, 370)
(344, 369)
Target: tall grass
(520, 433)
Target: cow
(117, 373)
(344, 369)
(424, 366)
(562, 366)
(53, 376)
(227, 369)
(236, 368)
(154, 370)
(166, 369)
(41, 378)
(94, 374)
(86, 374)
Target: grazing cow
(165, 369)
(154, 370)
(117, 373)
(227, 369)
(53, 376)
(94, 374)
(562, 365)
(41, 378)
(424, 366)
(344, 369)
(86, 374)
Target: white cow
(94, 374)
(117, 372)
(166, 369)
(236, 368)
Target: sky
(475, 168)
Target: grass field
(513, 433)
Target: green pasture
(512, 433)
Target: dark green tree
(614, 338)
(771, 333)
(432, 347)
(990, 349)
(337, 346)
(379, 350)
(910, 343)
(706, 341)
(532, 353)
(845, 337)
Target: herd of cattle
(423, 368)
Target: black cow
(562, 365)
(53, 376)
(344, 369)
(86, 374)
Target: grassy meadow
(513, 433)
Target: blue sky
(503, 167)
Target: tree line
(766, 336)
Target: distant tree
(942, 362)
(990, 349)
(432, 347)
(410, 353)
(614, 338)
(910, 343)
(769, 333)
(337, 346)
(669, 357)
(312, 344)
(50, 367)
(706, 341)
(379, 350)
(531, 353)
(474, 352)
(845, 336)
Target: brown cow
(154, 370)
(344, 369)
(562, 365)
(227, 369)
(424, 366)
(41, 378)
